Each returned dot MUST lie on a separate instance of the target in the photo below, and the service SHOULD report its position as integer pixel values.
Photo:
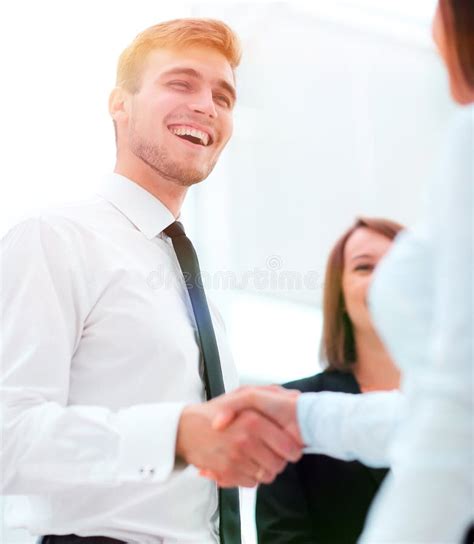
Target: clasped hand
(241, 438)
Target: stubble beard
(158, 159)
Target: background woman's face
(460, 91)
(362, 253)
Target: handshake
(242, 438)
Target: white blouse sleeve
(350, 427)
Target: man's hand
(272, 401)
(250, 449)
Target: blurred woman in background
(321, 499)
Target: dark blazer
(318, 499)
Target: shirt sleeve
(48, 445)
(429, 497)
(350, 427)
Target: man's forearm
(48, 448)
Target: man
(103, 371)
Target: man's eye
(224, 100)
(179, 84)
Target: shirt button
(147, 472)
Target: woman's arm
(350, 427)
(341, 425)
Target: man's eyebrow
(195, 74)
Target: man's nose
(204, 103)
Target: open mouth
(190, 134)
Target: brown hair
(338, 349)
(177, 33)
(458, 23)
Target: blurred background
(341, 111)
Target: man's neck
(374, 369)
(166, 191)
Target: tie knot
(174, 230)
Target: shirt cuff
(147, 441)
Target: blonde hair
(177, 33)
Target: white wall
(58, 67)
(336, 118)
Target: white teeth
(189, 131)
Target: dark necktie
(229, 512)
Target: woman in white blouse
(422, 303)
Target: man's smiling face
(180, 119)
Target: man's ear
(118, 104)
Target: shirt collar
(139, 206)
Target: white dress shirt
(99, 356)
